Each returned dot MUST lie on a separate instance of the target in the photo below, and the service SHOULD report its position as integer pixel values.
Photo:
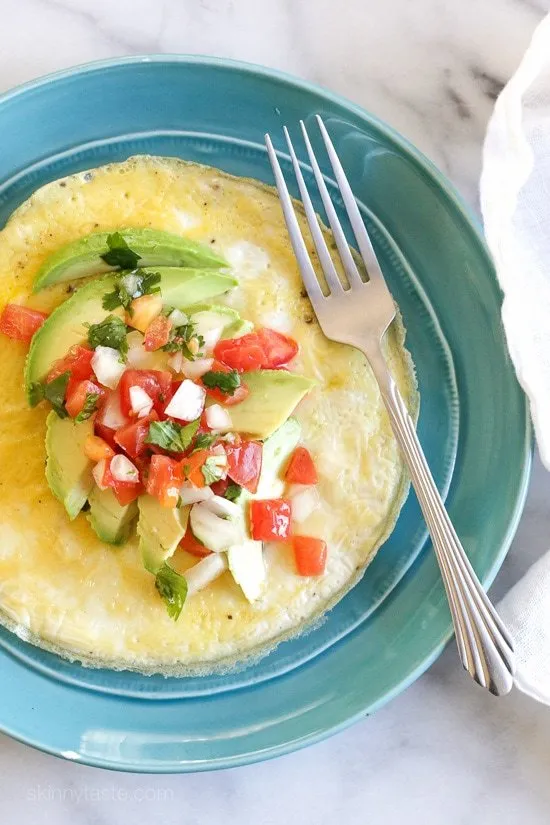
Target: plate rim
(470, 218)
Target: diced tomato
(125, 491)
(221, 397)
(157, 333)
(96, 448)
(132, 437)
(193, 546)
(21, 322)
(270, 519)
(245, 463)
(164, 480)
(191, 467)
(301, 469)
(105, 433)
(156, 383)
(77, 394)
(219, 488)
(78, 362)
(310, 555)
(262, 349)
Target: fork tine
(349, 264)
(359, 230)
(327, 264)
(309, 276)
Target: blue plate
(473, 423)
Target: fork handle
(484, 644)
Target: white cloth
(515, 202)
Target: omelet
(63, 589)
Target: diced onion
(178, 318)
(303, 503)
(175, 362)
(223, 507)
(98, 472)
(111, 413)
(140, 402)
(108, 366)
(188, 402)
(204, 572)
(131, 283)
(197, 368)
(192, 495)
(211, 338)
(122, 469)
(218, 418)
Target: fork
(359, 313)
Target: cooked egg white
(65, 590)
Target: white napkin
(515, 202)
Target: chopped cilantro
(54, 392)
(180, 338)
(227, 382)
(172, 436)
(111, 332)
(36, 393)
(120, 255)
(172, 587)
(89, 408)
(233, 492)
(204, 440)
(145, 283)
(211, 470)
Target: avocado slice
(68, 470)
(277, 450)
(234, 325)
(65, 326)
(237, 329)
(109, 519)
(82, 257)
(160, 530)
(273, 396)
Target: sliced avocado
(82, 257)
(68, 471)
(160, 530)
(65, 326)
(109, 519)
(273, 396)
(277, 450)
(234, 326)
(237, 329)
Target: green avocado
(234, 326)
(109, 519)
(273, 396)
(160, 530)
(68, 470)
(237, 329)
(82, 258)
(65, 326)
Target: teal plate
(473, 422)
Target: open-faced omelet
(63, 588)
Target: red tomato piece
(132, 437)
(157, 333)
(221, 397)
(245, 463)
(263, 349)
(106, 433)
(301, 469)
(219, 488)
(310, 555)
(20, 322)
(191, 467)
(156, 383)
(77, 394)
(193, 545)
(78, 362)
(164, 480)
(125, 491)
(270, 519)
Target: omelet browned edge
(396, 333)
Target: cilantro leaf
(233, 492)
(54, 392)
(172, 587)
(180, 338)
(89, 408)
(111, 332)
(204, 440)
(36, 393)
(120, 254)
(172, 436)
(227, 382)
(211, 471)
(143, 283)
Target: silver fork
(360, 316)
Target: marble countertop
(443, 752)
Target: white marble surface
(443, 752)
